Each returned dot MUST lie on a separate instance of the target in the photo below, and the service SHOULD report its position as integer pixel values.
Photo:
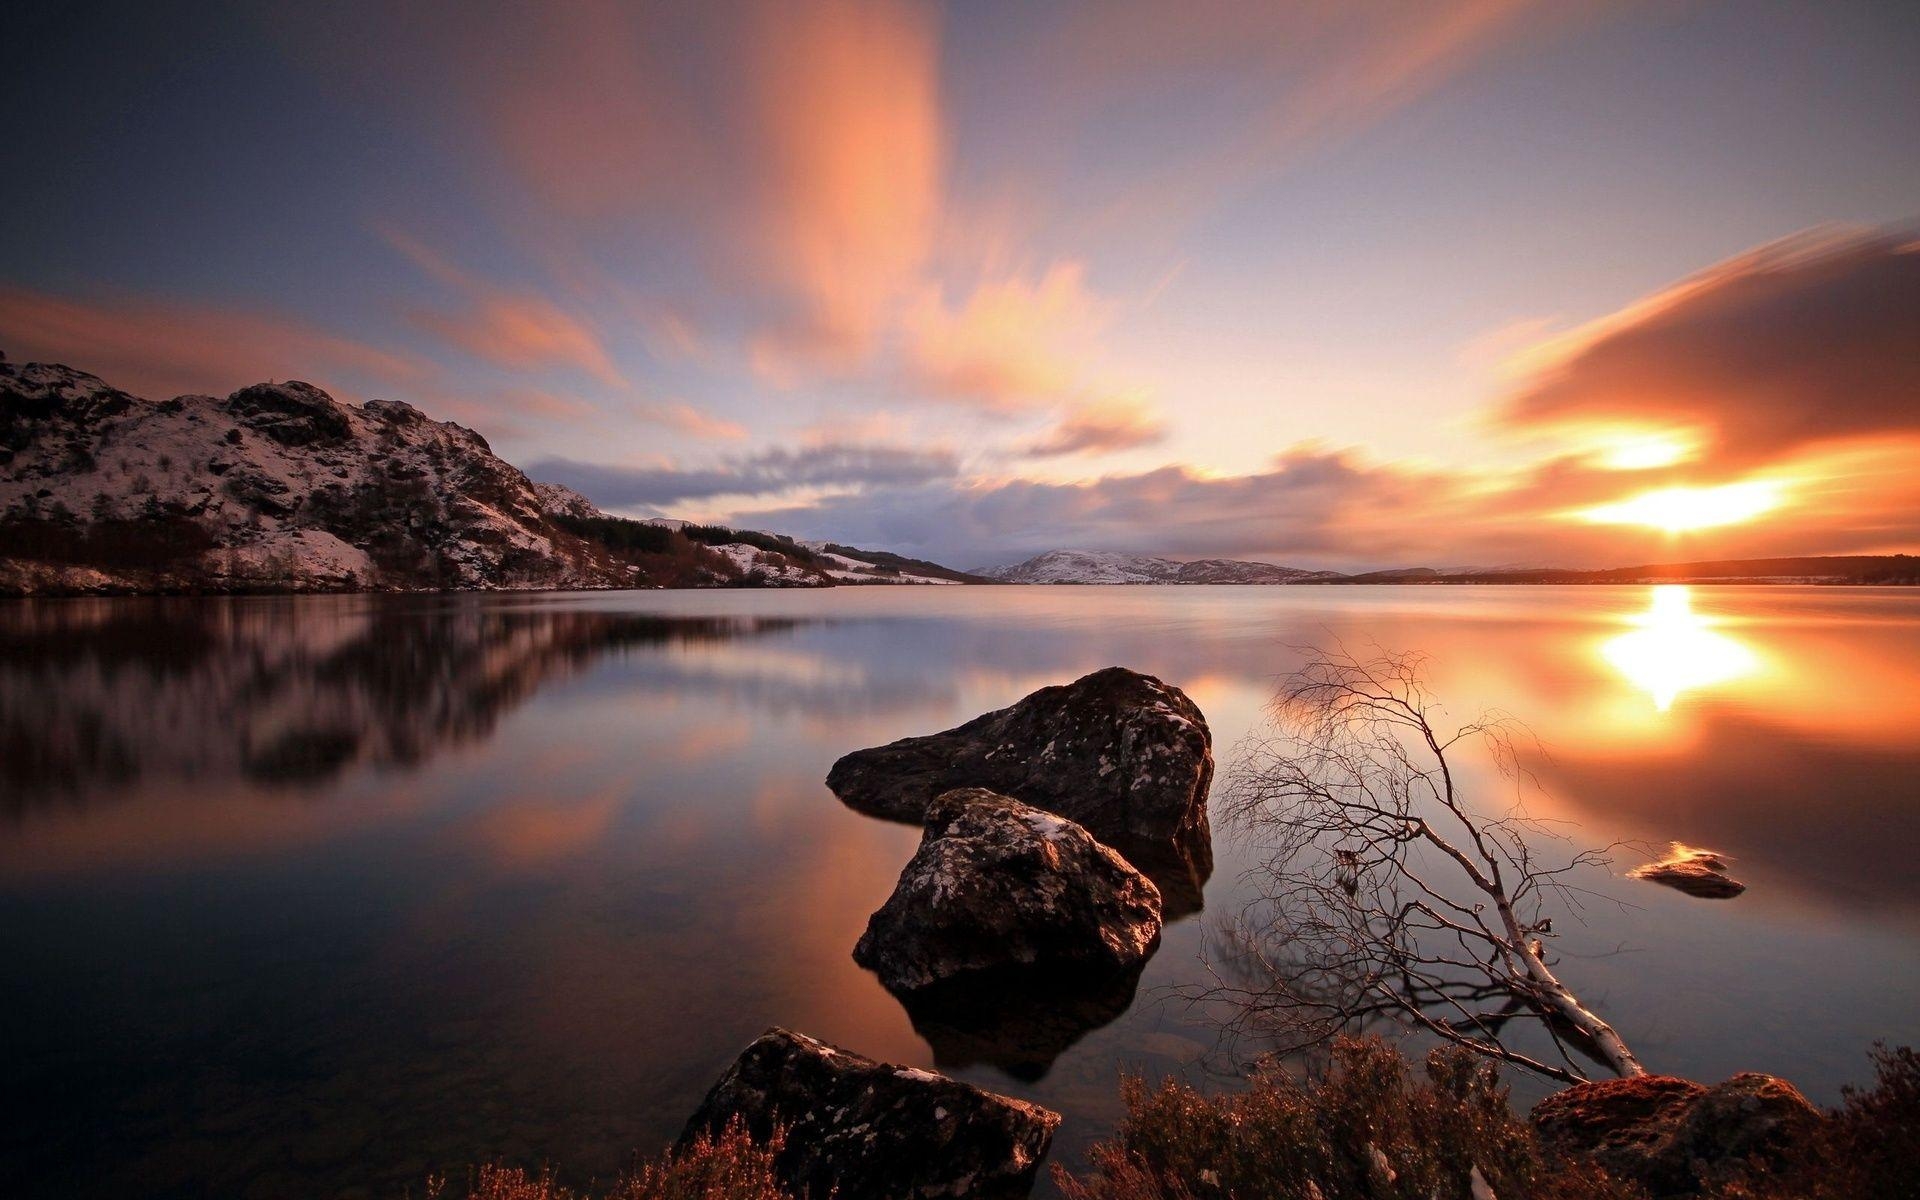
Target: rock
(997, 883)
(858, 1129)
(558, 500)
(1671, 1135)
(1694, 871)
(1627, 1125)
(1750, 1118)
(1121, 753)
(292, 413)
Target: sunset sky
(1326, 284)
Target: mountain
(1086, 566)
(280, 487)
(1095, 566)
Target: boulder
(292, 413)
(1750, 1118)
(862, 1130)
(1672, 1136)
(996, 884)
(1121, 753)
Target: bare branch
(1381, 893)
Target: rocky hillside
(280, 487)
(1089, 566)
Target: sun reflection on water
(1676, 650)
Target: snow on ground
(1088, 566)
(747, 558)
(1099, 566)
(871, 577)
(861, 571)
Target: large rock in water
(1123, 754)
(862, 1130)
(1672, 1136)
(997, 883)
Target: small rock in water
(862, 1130)
(1692, 870)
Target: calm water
(312, 896)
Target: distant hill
(880, 566)
(1846, 568)
(1099, 567)
(280, 487)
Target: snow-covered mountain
(1096, 566)
(280, 487)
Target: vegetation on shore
(731, 1166)
(1369, 1130)
(1372, 1128)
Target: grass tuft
(731, 1166)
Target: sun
(1680, 509)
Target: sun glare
(1679, 509)
(1675, 649)
(1644, 453)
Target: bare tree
(1382, 893)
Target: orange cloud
(1100, 428)
(163, 348)
(1796, 344)
(1014, 344)
(847, 106)
(687, 419)
(513, 328)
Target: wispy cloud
(849, 127)
(160, 347)
(1014, 343)
(684, 417)
(516, 328)
(1308, 74)
(767, 473)
(1100, 428)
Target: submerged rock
(862, 1130)
(1696, 872)
(997, 883)
(1121, 753)
(1672, 1136)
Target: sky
(1328, 284)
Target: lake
(312, 896)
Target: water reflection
(1019, 1020)
(97, 698)
(1677, 650)
(306, 895)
